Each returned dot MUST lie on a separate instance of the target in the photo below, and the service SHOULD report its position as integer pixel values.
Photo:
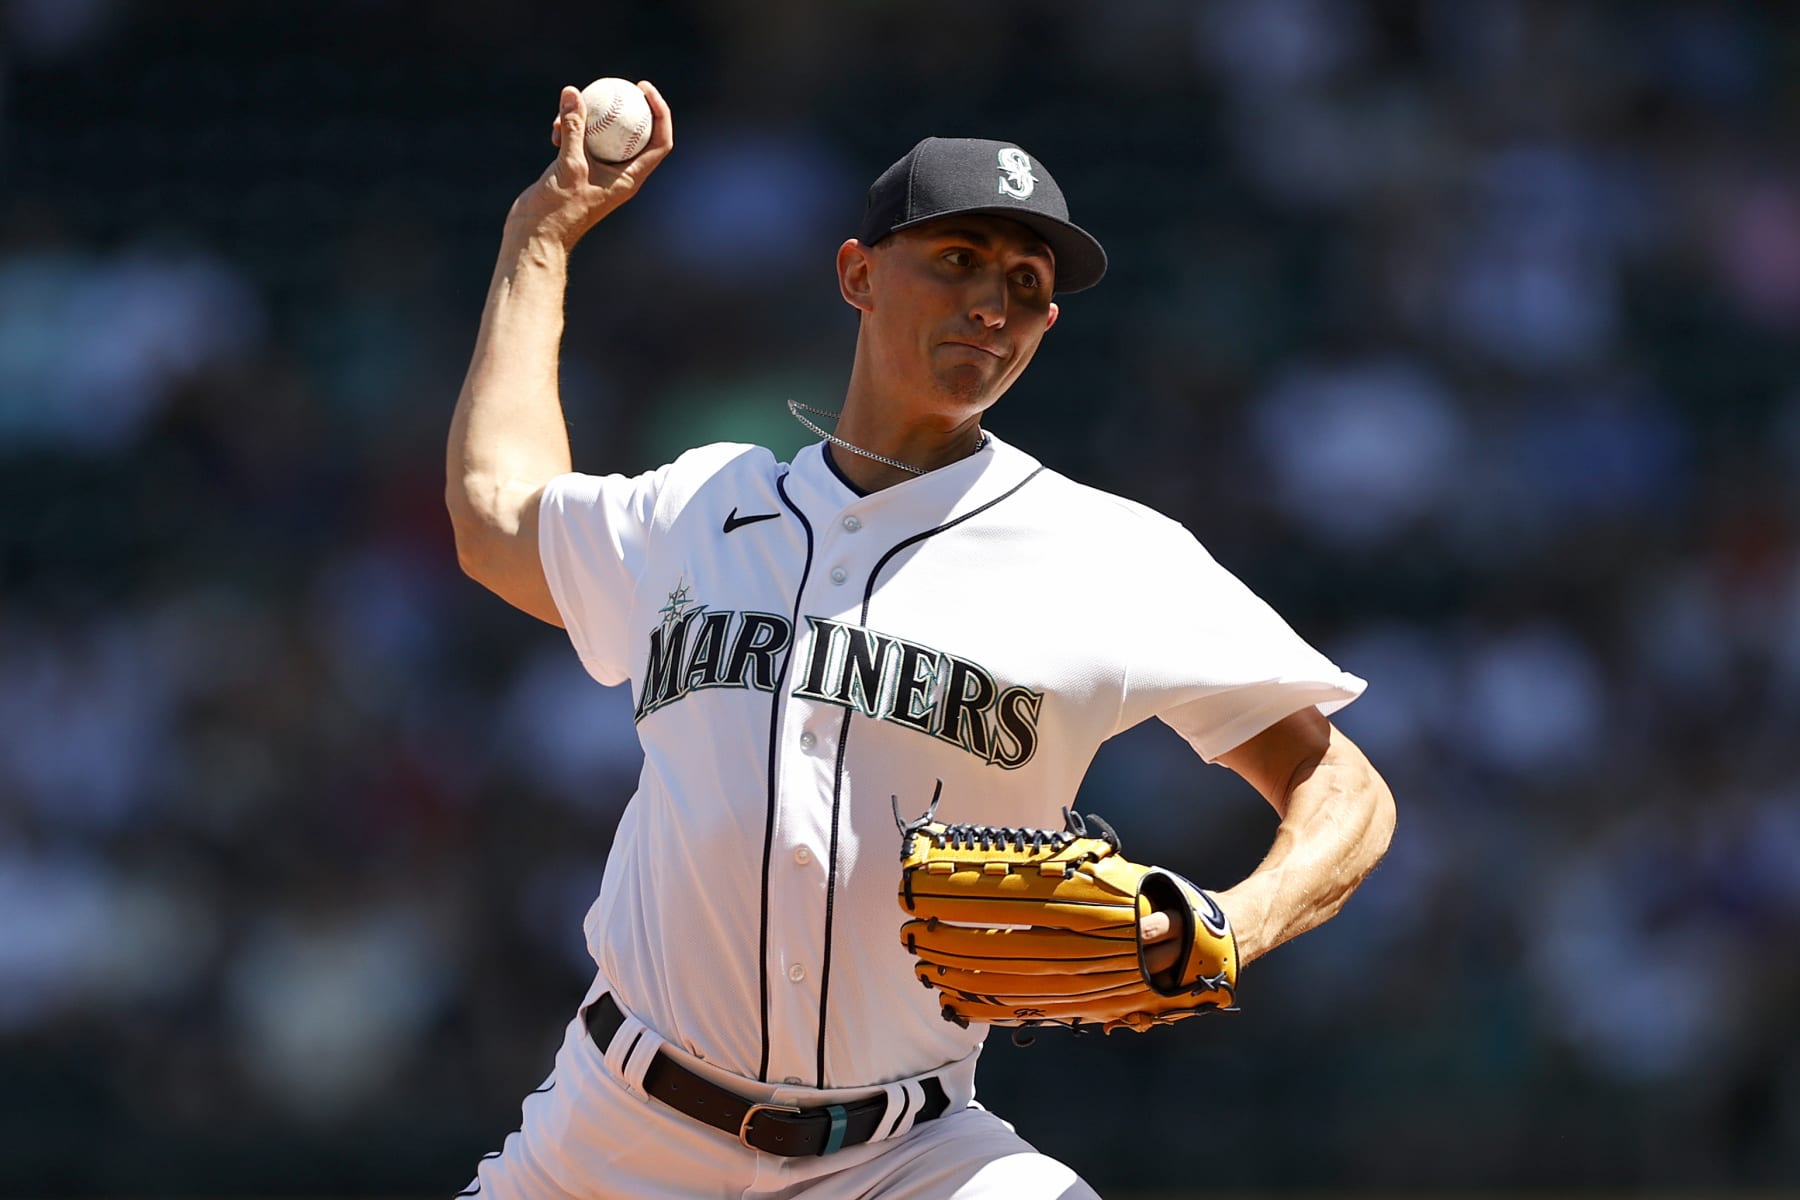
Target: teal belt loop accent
(839, 1120)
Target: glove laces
(971, 836)
(992, 837)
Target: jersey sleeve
(1216, 663)
(597, 533)
(593, 536)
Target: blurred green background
(1467, 332)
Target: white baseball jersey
(800, 654)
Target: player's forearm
(507, 437)
(1339, 818)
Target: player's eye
(958, 258)
(1026, 279)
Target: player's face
(958, 307)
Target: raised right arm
(507, 437)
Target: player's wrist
(534, 242)
(1247, 917)
(557, 221)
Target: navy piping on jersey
(839, 472)
(493, 1154)
(762, 961)
(837, 786)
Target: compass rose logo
(1016, 179)
(681, 605)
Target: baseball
(618, 119)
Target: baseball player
(911, 608)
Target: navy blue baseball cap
(942, 177)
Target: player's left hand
(1157, 932)
(1034, 927)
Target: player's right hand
(575, 192)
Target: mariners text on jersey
(879, 675)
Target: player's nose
(988, 298)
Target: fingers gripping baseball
(576, 191)
(571, 160)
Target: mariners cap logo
(1016, 179)
(942, 177)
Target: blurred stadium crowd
(1467, 332)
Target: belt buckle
(744, 1127)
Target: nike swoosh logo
(1215, 918)
(733, 521)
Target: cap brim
(1080, 259)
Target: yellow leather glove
(1027, 927)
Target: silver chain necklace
(797, 408)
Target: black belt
(772, 1128)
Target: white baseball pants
(591, 1132)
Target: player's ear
(853, 267)
(1054, 312)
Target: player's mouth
(996, 351)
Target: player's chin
(972, 385)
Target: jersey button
(794, 1079)
(796, 972)
(808, 740)
(803, 856)
(838, 574)
(852, 524)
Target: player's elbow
(1380, 817)
(480, 527)
(1368, 844)
(468, 557)
(1381, 823)
(496, 532)
(1368, 797)
(467, 527)
(1365, 819)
